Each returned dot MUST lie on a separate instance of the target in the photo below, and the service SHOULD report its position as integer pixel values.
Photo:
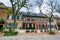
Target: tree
(28, 6)
(16, 6)
(52, 5)
(58, 8)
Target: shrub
(1, 30)
(52, 33)
(16, 33)
(9, 33)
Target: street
(42, 37)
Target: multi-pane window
(10, 25)
(42, 26)
(36, 19)
(40, 19)
(51, 20)
(32, 19)
(10, 17)
(28, 18)
(28, 25)
(52, 26)
(32, 25)
(24, 18)
(3, 10)
(2, 20)
(24, 26)
(18, 18)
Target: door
(58, 27)
(37, 27)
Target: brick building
(27, 21)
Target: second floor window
(36, 19)
(24, 18)
(51, 20)
(18, 18)
(10, 17)
(32, 19)
(28, 19)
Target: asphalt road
(42, 37)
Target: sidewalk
(1, 34)
(35, 34)
(31, 34)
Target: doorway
(1, 26)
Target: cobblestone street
(42, 37)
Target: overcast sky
(35, 8)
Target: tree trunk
(50, 23)
(14, 18)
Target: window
(52, 26)
(18, 18)
(28, 25)
(28, 18)
(32, 19)
(1, 20)
(32, 25)
(36, 19)
(24, 18)
(10, 17)
(42, 26)
(3, 11)
(55, 26)
(24, 26)
(51, 20)
(10, 25)
(40, 19)
(43, 19)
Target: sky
(34, 9)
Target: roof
(2, 5)
(32, 14)
(55, 16)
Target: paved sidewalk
(1, 34)
(44, 37)
(35, 34)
